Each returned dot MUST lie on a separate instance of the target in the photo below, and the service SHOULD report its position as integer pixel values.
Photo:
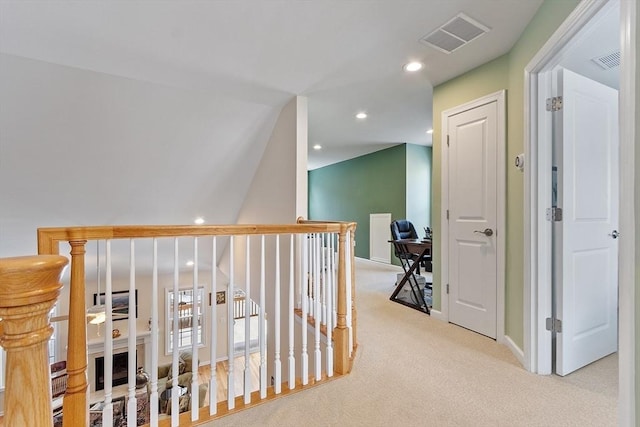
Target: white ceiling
(600, 37)
(344, 55)
(155, 112)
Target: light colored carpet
(412, 370)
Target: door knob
(487, 232)
(614, 234)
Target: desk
(420, 248)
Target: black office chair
(404, 229)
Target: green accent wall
(395, 180)
(418, 186)
(505, 72)
(353, 189)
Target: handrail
(49, 239)
(29, 287)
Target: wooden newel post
(29, 288)
(74, 403)
(341, 332)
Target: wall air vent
(608, 61)
(454, 34)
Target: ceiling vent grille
(454, 34)
(608, 61)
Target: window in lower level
(187, 331)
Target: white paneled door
(473, 209)
(379, 235)
(586, 291)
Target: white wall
(277, 195)
(79, 147)
(278, 192)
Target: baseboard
(517, 351)
(437, 314)
(379, 264)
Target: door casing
(443, 314)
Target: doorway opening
(538, 194)
(601, 31)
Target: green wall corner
(395, 180)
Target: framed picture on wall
(119, 303)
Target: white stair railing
(310, 256)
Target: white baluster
(153, 399)
(305, 304)
(277, 366)
(318, 310)
(334, 255)
(213, 326)
(131, 347)
(323, 274)
(292, 358)
(262, 334)
(247, 323)
(195, 333)
(175, 341)
(107, 412)
(231, 393)
(313, 251)
(349, 249)
(329, 309)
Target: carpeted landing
(412, 370)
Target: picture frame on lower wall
(119, 303)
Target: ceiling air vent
(608, 61)
(455, 34)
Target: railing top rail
(348, 225)
(49, 237)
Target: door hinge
(447, 140)
(554, 325)
(447, 214)
(554, 104)
(554, 214)
(447, 288)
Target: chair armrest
(184, 380)
(163, 370)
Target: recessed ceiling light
(430, 131)
(413, 66)
(199, 220)
(190, 263)
(317, 147)
(361, 115)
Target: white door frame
(443, 314)
(537, 272)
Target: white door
(586, 291)
(379, 236)
(473, 184)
